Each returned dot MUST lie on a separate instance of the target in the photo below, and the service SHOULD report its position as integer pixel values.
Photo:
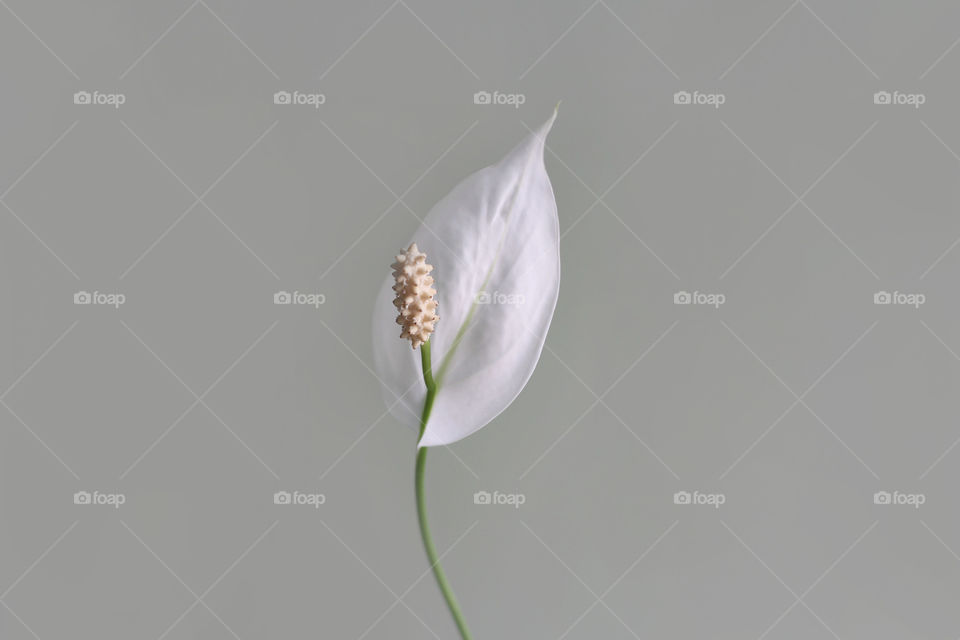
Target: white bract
(494, 244)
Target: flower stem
(421, 501)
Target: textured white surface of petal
(494, 245)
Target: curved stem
(421, 500)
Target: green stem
(421, 501)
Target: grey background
(199, 198)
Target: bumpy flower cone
(414, 296)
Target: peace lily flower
(487, 257)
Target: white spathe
(494, 242)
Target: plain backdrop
(198, 198)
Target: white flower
(494, 244)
